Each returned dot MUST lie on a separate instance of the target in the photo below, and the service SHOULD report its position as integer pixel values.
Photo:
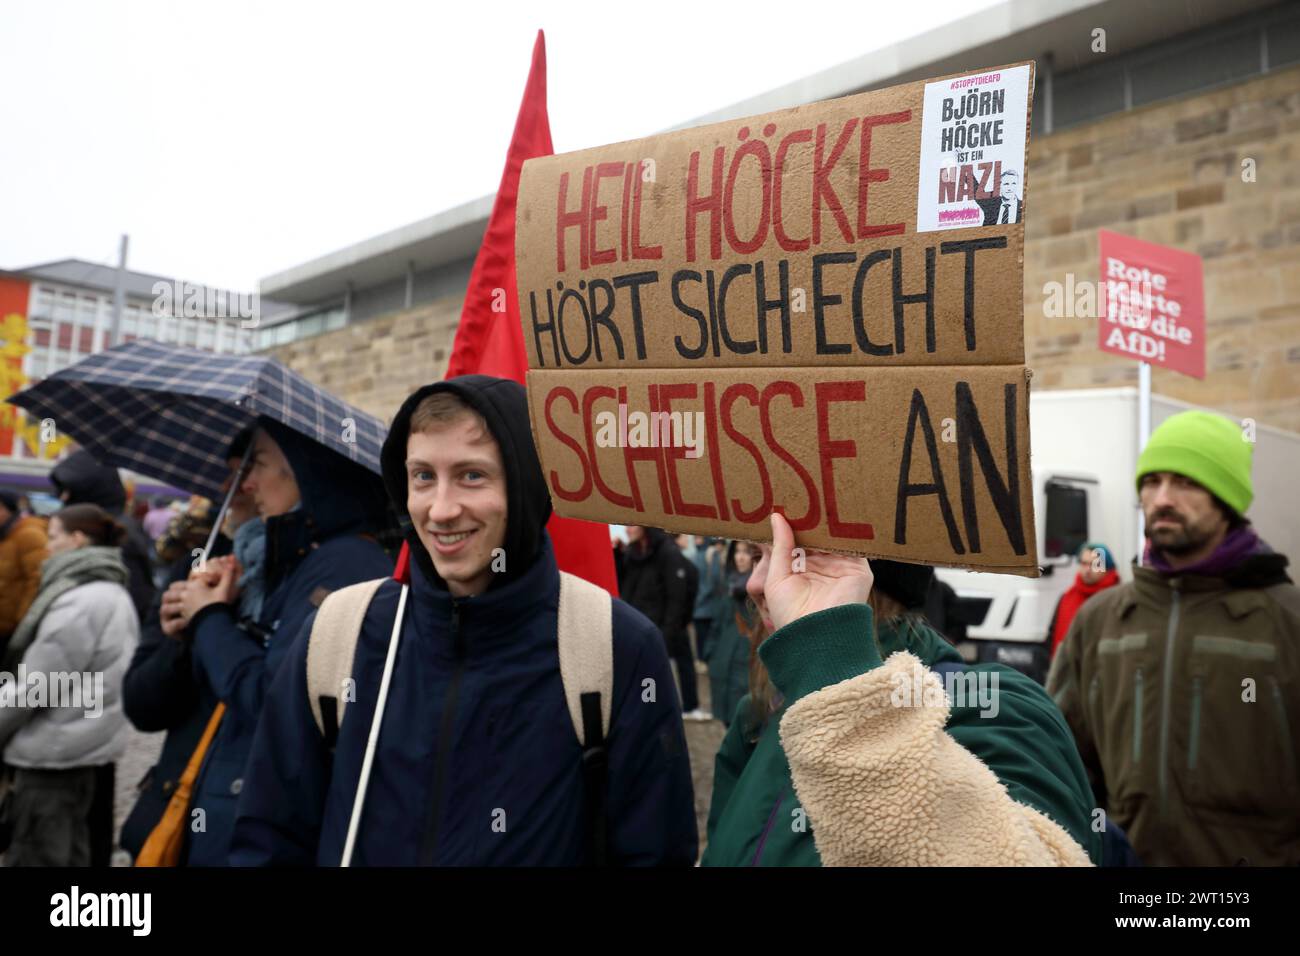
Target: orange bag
(163, 848)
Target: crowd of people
(476, 705)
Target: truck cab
(1007, 617)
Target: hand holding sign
(826, 581)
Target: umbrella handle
(225, 505)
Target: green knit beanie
(1209, 449)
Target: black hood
(504, 406)
(88, 482)
(336, 496)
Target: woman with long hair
(735, 625)
(66, 718)
(866, 741)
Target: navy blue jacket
(476, 732)
(160, 692)
(318, 548)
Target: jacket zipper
(445, 731)
(771, 821)
(1166, 694)
(1137, 716)
(1288, 745)
(1195, 745)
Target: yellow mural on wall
(14, 423)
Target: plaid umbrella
(171, 413)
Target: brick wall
(1172, 174)
(1169, 173)
(375, 364)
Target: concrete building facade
(55, 314)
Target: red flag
(491, 342)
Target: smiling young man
(478, 762)
(1181, 686)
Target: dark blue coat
(160, 692)
(318, 548)
(476, 732)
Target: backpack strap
(330, 649)
(586, 638)
(586, 645)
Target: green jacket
(729, 658)
(1184, 697)
(756, 817)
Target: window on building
(1216, 55)
(65, 307)
(1182, 69)
(1283, 44)
(43, 304)
(1067, 520)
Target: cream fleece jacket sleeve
(885, 785)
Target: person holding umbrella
(321, 513)
(161, 692)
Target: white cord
(360, 800)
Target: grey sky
(236, 139)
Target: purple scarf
(1238, 545)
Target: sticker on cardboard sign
(973, 137)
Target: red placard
(1152, 304)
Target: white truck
(1083, 455)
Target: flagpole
(1144, 433)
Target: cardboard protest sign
(919, 464)
(1153, 304)
(811, 262)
